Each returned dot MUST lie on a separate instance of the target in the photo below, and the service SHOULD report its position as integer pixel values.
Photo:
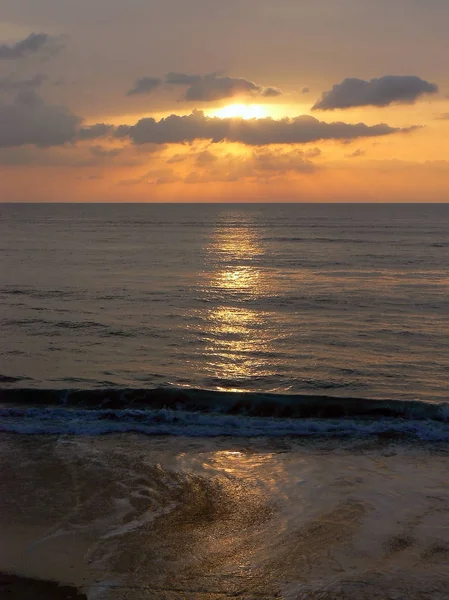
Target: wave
(251, 404)
(62, 421)
(195, 412)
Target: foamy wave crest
(58, 421)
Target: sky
(236, 101)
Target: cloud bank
(252, 132)
(29, 120)
(353, 92)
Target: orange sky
(377, 104)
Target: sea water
(347, 300)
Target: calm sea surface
(348, 300)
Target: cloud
(29, 120)
(205, 88)
(305, 90)
(211, 88)
(201, 158)
(313, 153)
(444, 117)
(145, 85)
(356, 154)
(271, 92)
(33, 44)
(182, 79)
(260, 163)
(73, 155)
(206, 157)
(97, 131)
(304, 129)
(206, 167)
(8, 84)
(101, 152)
(384, 91)
(282, 161)
(160, 176)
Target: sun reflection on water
(238, 332)
(244, 278)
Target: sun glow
(244, 111)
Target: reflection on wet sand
(238, 335)
(133, 518)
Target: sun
(243, 111)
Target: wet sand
(130, 517)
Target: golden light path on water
(238, 333)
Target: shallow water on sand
(133, 517)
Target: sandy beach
(132, 517)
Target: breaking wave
(190, 412)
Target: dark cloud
(271, 92)
(383, 91)
(304, 129)
(9, 84)
(205, 88)
(97, 131)
(305, 90)
(145, 85)
(213, 87)
(182, 79)
(29, 120)
(122, 131)
(33, 44)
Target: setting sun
(244, 111)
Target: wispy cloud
(205, 88)
(33, 44)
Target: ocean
(211, 401)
